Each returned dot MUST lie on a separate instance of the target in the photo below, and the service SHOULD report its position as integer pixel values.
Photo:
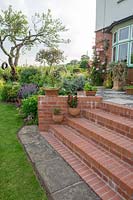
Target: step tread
(112, 136)
(107, 161)
(111, 116)
(86, 173)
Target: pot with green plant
(129, 89)
(57, 116)
(90, 90)
(73, 105)
(53, 81)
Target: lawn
(17, 179)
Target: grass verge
(17, 179)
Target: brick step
(117, 109)
(110, 168)
(111, 121)
(114, 142)
(104, 191)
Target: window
(122, 55)
(114, 54)
(124, 33)
(122, 45)
(131, 53)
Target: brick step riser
(110, 147)
(117, 109)
(104, 174)
(112, 125)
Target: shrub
(27, 90)
(89, 87)
(96, 75)
(31, 75)
(29, 108)
(9, 92)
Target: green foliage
(50, 56)
(31, 75)
(89, 87)
(56, 111)
(108, 83)
(84, 64)
(72, 101)
(129, 87)
(96, 76)
(9, 92)
(29, 107)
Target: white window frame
(116, 37)
(119, 34)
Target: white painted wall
(108, 11)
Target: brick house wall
(99, 42)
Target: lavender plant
(27, 90)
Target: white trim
(116, 37)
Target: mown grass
(17, 178)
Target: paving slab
(56, 176)
(75, 192)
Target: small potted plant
(73, 103)
(90, 90)
(57, 115)
(129, 89)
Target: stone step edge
(111, 146)
(112, 124)
(101, 188)
(122, 185)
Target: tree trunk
(13, 69)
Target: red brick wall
(47, 103)
(100, 37)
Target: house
(114, 32)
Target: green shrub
(9, 92)
(31, 75)
(89, 87)
(29, 107)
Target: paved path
(56, 176)
(116, 96)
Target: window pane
(132, 53)
(123, 33)
(132, 31)
(114, 54)
(123, 52)
(115, 37)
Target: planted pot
(129, 91)
(74, 111)
(90, 93)
(51, 91)
(57, 118)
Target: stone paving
(59, 180)
(119, 97)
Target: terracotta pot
(57, 118)
(74, 111)
(129, 91)
(51, 91)
(90, 93)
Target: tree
(51, 56)
(16, 31)
(84, 61)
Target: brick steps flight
(87, 174)
(112, 141)
(111, 169)
(112, 121)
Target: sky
(77, 15)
